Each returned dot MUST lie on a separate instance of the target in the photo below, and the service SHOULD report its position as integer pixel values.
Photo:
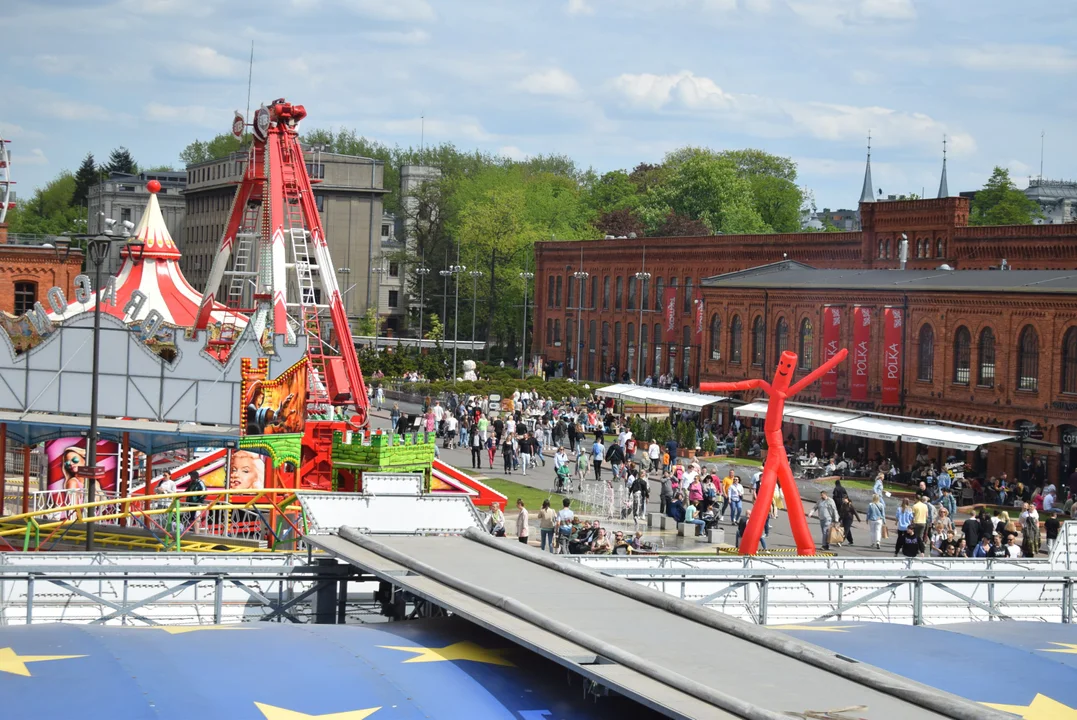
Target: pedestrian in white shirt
(654, 453)
(522, 526)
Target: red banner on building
(699, 323)
(669, 314)
(892, 355)
(831, 342)
(858, 384)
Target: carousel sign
(148, 326)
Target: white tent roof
(669, 398)
(881, 427)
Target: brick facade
(942, 392)
(36, 267)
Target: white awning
(945, 436)
(657, 396)
(881, 427)
(816, 417)
(871, 427)
(756, 410)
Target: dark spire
(868, 194)
(944, 190)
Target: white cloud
(188, 114)
(450, 129)
(1034, 58)
(512, 152)
(394, 10)
(579, 7)
(865, 77)
(394, 37)
(688, 93)
(36, 157)
(839, 13)
(683, 88)
(549, 82)
(201, 61)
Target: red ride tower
(274, 238)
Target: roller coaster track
(213, 521)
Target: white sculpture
(469, 370)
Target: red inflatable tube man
(777, 465)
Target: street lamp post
(456, 271)
(526, 277)
(641, 278)
(422, 271)
(475, 275)
(98, 248)
(445, 275)
(379, 271)
(582, 276)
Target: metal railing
(63, 503)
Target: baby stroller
(562, 480)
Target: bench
(686, 529)
(715, 535)
(656, 520)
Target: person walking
(597, 453)
(919, 517)
(876, 518)
(827, 512)
(525, 453)
(476, 448)
(523, 527)
(508, 454)
(547, 521)
(654, 453)
(736, 495)
(903, 516)
(665, 495)
(846, 512)
(581, 468)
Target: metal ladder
(242, 268)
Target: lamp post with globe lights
(526, 277)
(641, 278)
(422, 271)
(582, 276)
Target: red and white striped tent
(156, 272)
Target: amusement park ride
(5, 179)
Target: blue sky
(609, 82)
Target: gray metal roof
(781, 276)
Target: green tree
(51, 210)
(121, 161)
(367, 324)
(86, 177)
(437, 330)
(778, 202)
(613, 191)
(218, 148)
(1001, 203)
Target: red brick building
(993, 349)
(28, 271)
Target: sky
(611, 83)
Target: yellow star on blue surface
(1041, 708)
(183, 629)
(456, 651)
(11, 662)
(272, 712)
(814, 628)
(1070, 648)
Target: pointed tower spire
(944, 190)
(868, 193)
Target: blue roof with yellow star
(437, 668)
(1025, 668)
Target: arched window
(620, 293)
(758, 341)
(557, 332)
(549, 331)
(716, 337)
(617, 347)
(920, 248)
(925, 360)
(594, 292)
(1028, 359)
(880, 249)
(659, 291)
(606, 292)
(631, 292)
(591, 343)
(557, 292)
(630, 348)
(887, 255)
(686, 363)
(735, 331)
(1069, 362)
(549, 293)
(643, 356)
(938, 248)
(569, 281)
(985, 377)
(688, 295)
(962, 350)
(645, 294)
(781, 339)
(806, 345)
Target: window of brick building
(1028, 359)
(617, 348)
(631, 292)
(758, 341)
(659, 290)
(549, 292)
(25, 297)
(557, 331)
(617, 302)
(716, 337)
(925, 359)
(394, 298)
(569, 294)
(606, 293)
(806, 345)
(645, 294)
(962, 359)
(686, 357)
(688, 294)
(986, 375)
(781, 339)
(557, 292)
(657, 348)
(549, 331)
(594, 293)
(643, 356)
(735, 332)
(1069, 362)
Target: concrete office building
(348, 191)
(123, 196)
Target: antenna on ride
(250, 75)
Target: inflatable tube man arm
(818, 372)
(734, 386)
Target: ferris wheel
(5, 178)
